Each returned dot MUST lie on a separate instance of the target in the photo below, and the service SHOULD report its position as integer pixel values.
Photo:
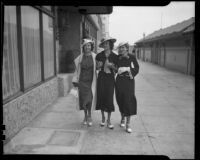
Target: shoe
(122, 124)
(128, 129)
(103, 122)
(110, 126)
(85, 121)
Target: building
(171, 47)
(40, 44)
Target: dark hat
(106, 39)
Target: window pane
(10, 72)
(48, 46)
(31, 46)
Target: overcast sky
(128, 23)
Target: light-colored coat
(94, 81)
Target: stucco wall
(20, 111)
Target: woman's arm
(134, 66)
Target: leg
(108, 121)
(128, 129)
(122, 124)
(89, 117)
(103, 118)
(85, 118)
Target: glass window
(48, 46)
(10, 71)
(31, 45)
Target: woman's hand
(99, 64)
(75, 84)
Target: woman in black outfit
(128, 68)
(106, 64)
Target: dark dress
(105, 84)
(85, 82)
(125, 86)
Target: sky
(128, 23)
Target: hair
(92, 46)
(111, 44)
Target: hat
(122, 44)
(106, 39)
(85, 41)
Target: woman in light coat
(85, 78)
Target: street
(164, 124)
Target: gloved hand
(123, 69)
(75, 84)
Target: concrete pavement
(164, 124)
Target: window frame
(24, 90)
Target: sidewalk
(164, 124)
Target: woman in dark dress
(85, 79)
(128, 68)
(106, 64)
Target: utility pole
(161, 21)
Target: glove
(75, 84)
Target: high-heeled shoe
(128, 129)
(89, 121)
(122, 123)
(103, 122)
(109, 125)
(85, 121)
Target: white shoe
(89, 123)
(128, 129)
(122, 125)
(102, 124)
(110, 126)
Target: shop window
(10, 70)
(31, 46)
(48, 43)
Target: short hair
(92, 47)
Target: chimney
(143, 35)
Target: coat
(76, 75)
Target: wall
(69, 39)
(20, 111)
(148, 54)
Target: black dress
(125, 86)
(85, 82)
(105, 84)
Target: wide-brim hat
(85, 41)
(106, 39)
(122, 44)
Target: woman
(128, 68)
(106, 64)
(85, 79)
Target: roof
(184, 26)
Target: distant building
(172, 47)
